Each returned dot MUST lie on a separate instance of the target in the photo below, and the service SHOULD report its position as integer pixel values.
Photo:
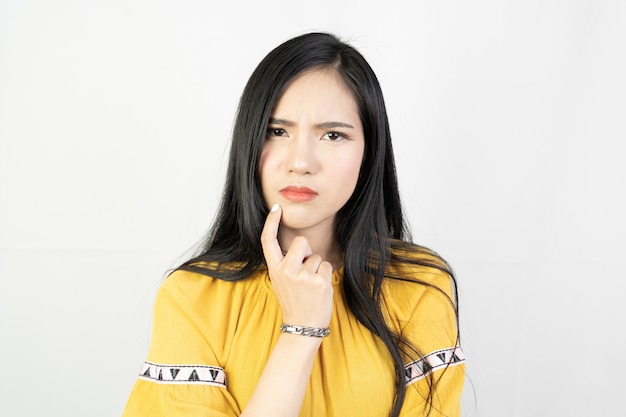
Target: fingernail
(275, 207)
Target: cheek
(356, 162)
(349, 169)
(266, 162)
(269, 154)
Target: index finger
(269, 236)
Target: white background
(508, 121)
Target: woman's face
(313, 151)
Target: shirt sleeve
(425, 316)
(182, 376)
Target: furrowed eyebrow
(332, 125)
(280, 122)
(324, 125)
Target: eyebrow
(324, 125)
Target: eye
(334, 136)
(276, 131)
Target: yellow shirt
(211, 339)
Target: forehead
(321, 91)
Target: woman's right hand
(302, 281)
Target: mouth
(298, 194)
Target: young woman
(308, 298)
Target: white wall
(508, 121)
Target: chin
(299, 219)
(296, 222)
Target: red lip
(298, 194)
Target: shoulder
(199, 311)
(420, 304)
(418, 284)
(197, 287)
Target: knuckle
(317, 259)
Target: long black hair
(369, 226)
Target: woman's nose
(301, 155)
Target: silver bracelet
(305, 331)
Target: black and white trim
(183, 374)
(213, 375)
(423, 367)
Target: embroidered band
(183, 374)
(421, 368)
